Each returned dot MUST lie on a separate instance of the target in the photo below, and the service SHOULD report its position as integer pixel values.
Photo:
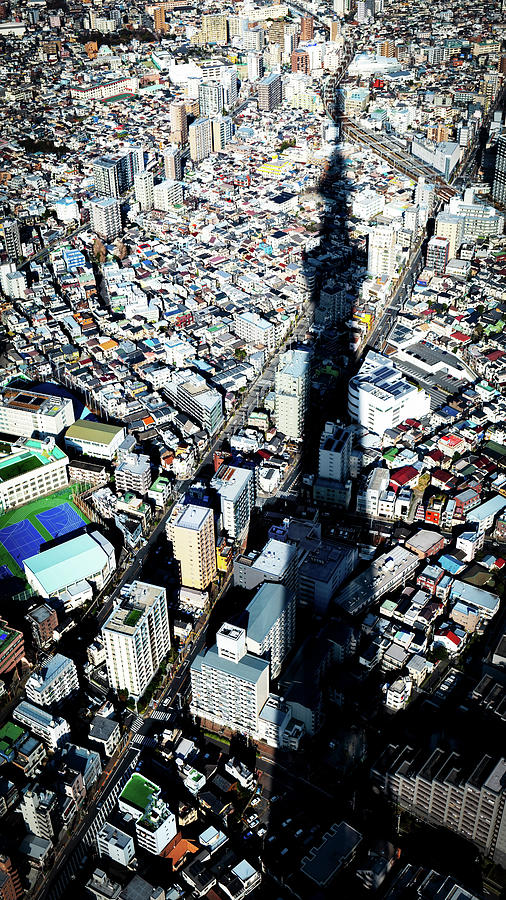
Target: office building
(133, 473)
(53, 730)
(191, 530)
(229, 685)
(499, 183)
(115, 844)
(438, 254)
(136, 638)
(71, 569)
(255, 66)
(55, 681)
(22, 412)
(236, 489)
(270, 92)
(106, 218)
(306, 28)
(223, 132)
(29, 472)
(200, 138)
(12, 239)
(42, 621)
(292, 382)
(191, 394)
(40, 812)
(155, 824)
(144, 188)
(270, 624)
(172, 164)
(382, 252)
(444, 790)
(210, 99)
(178, 122)
(12, 647)
(167, 194)
(323, 568)
(380, 397)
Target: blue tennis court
(60, 520)
(5, 572)
(21, 540)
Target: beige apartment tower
(191, 531)
(178, 122)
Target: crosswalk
(137, 724)
(160, 714)
(142, 740)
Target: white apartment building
(54, 682)
(115, 844)
(191, 531)
(106, 217)
(223, 132)
(200, 138)
(144, 190)
(167, 194)
(23, 412)
(191, 393)
(367, 204)
(254, 329)
(380, 397)
(382, 252)
(136, 637)
(236, 488)
(229, 685)
(292, 382)
(54, 730)
(133, 473)
(270, 629)
(368, 498)
(156, 827)
(210, 99)
(255, 66)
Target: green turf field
(30, 511)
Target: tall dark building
(499, 184)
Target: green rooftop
(20, 465)
(9, 735)
(98, 432)
(133, 617)
(138, 791)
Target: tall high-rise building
(210, 99)
(114, 174)
(450, 226)
(178, 122)
(270, 629)
(306, 28)
(11, 238)
(300, 61)
(255, 66)
(223, 131)
(191, 531)
(106, 217)
(334, 454)
(447, 791)
(200, 137)
(214, 30)
(438, 254)
(236, 489)
(381, 252)
(159, 18)
(172, 163)
(136, 638)
(292, 393)
(365, 11)
(499, 183)
(229, 685)
(144, 188)
(342, 7)
(228, 81)
(270, 92)
(40, 812)
(10, 882)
